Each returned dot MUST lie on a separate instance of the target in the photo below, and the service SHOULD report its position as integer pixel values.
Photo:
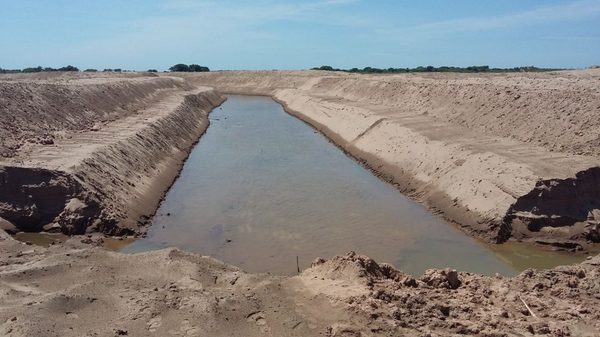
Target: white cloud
(573, 11)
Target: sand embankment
(503, 155)
(94, 153)
(74, 290)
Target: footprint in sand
(154, 323)
(257, 317)
(188, 328)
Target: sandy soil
(78, 290)
(94, 153)
(504, 156)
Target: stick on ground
(528, 308)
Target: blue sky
(269, 34)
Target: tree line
(178, 67)
(443, 69)
(39, 69)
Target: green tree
(68, 68)
(180, 67)
(32, 70)
(197, 68)
(326, 68)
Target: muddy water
(262, 187)
(49, 239)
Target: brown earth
(77, 290)
(502, 155)
(505, 155)
(83, 153)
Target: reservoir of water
(262, 187)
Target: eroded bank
(94, 154)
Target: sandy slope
(75, 290)
(95, 153)
(502, 155)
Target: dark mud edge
(557, 212)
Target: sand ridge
(95, 153)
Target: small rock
(445, 278)
(317, 261)
(52, 227)
(47, 141)
(409, 281)
(8, 226)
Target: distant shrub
(180, 67)
(152, 70)
(33, 70)
(9, 71)
(68, 68)
(117, 70)
(326, 68)
(198, 69)
(91, 70)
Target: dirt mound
(558, 302)
(170, 292)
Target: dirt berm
(74, 290)
(93, 152)
(503, 155)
